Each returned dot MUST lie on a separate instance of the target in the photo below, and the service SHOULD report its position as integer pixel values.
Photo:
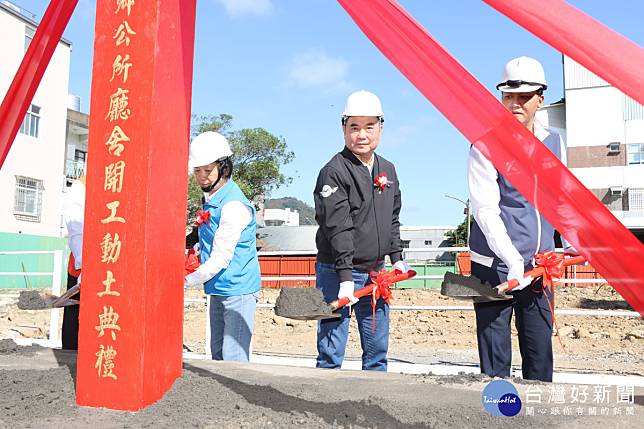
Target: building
(32, 177)
(416, 237)
(281, 217)
(605, 138)
(75, 141)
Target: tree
(257, 159)
(458, 236)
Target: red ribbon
(533, 169)
(203, 216)
(191, 263)
(382, 282)
(32, 68)
(553, 267)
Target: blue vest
(529, 231)
(242, 276)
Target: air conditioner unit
(613, 147)
(616, 191)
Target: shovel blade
(458, 286)
(303, 304)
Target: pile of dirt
(8, 347)
(302, 304)
(32, 300)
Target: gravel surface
(39, 393)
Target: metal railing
(54, 339)
(74, 169)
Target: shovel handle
(368, 290)
(537, 272)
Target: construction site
(202, 306)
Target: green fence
(39, 263)
(429, 268)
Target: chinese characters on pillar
(114, 181)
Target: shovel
(309, 304)
(34, 300)
(458, 286)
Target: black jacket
(358, 224)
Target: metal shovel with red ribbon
(309, 304)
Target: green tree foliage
(257, 159)
(458, 237)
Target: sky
(288, 65)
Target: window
(428, 242)
(29, 36)
(636, 153)
(31, 122)
(79, 156)
(405, 243)
(636, 200)
(613, 147)
(28, 200)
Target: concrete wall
(39, 158)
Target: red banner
(601, 50)
(515, 152)
(131, 313)
(33, 66)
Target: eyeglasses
(518, 83)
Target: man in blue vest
(507, 234)
(229, 267)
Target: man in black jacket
(357, 203)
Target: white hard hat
(207, 148)
(523, 74)
(363, 103)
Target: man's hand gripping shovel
(548, 265)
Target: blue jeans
(333, 333)
(231, 326)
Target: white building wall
(594, 116)
(39, 158)
(598, 114)
(286, 217)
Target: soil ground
(607, 345)
(37, 391)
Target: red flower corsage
(381, 182)
(202, 217)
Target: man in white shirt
(229, 267)
(73, 213)
(507, 234)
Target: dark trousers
(533, 320)
(70, 319)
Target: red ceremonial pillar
(130, 341)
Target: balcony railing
(74, 169)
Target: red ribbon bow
(381, 182)
(552, 265)
(203, 216)
(382, 282)
(191, 263)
